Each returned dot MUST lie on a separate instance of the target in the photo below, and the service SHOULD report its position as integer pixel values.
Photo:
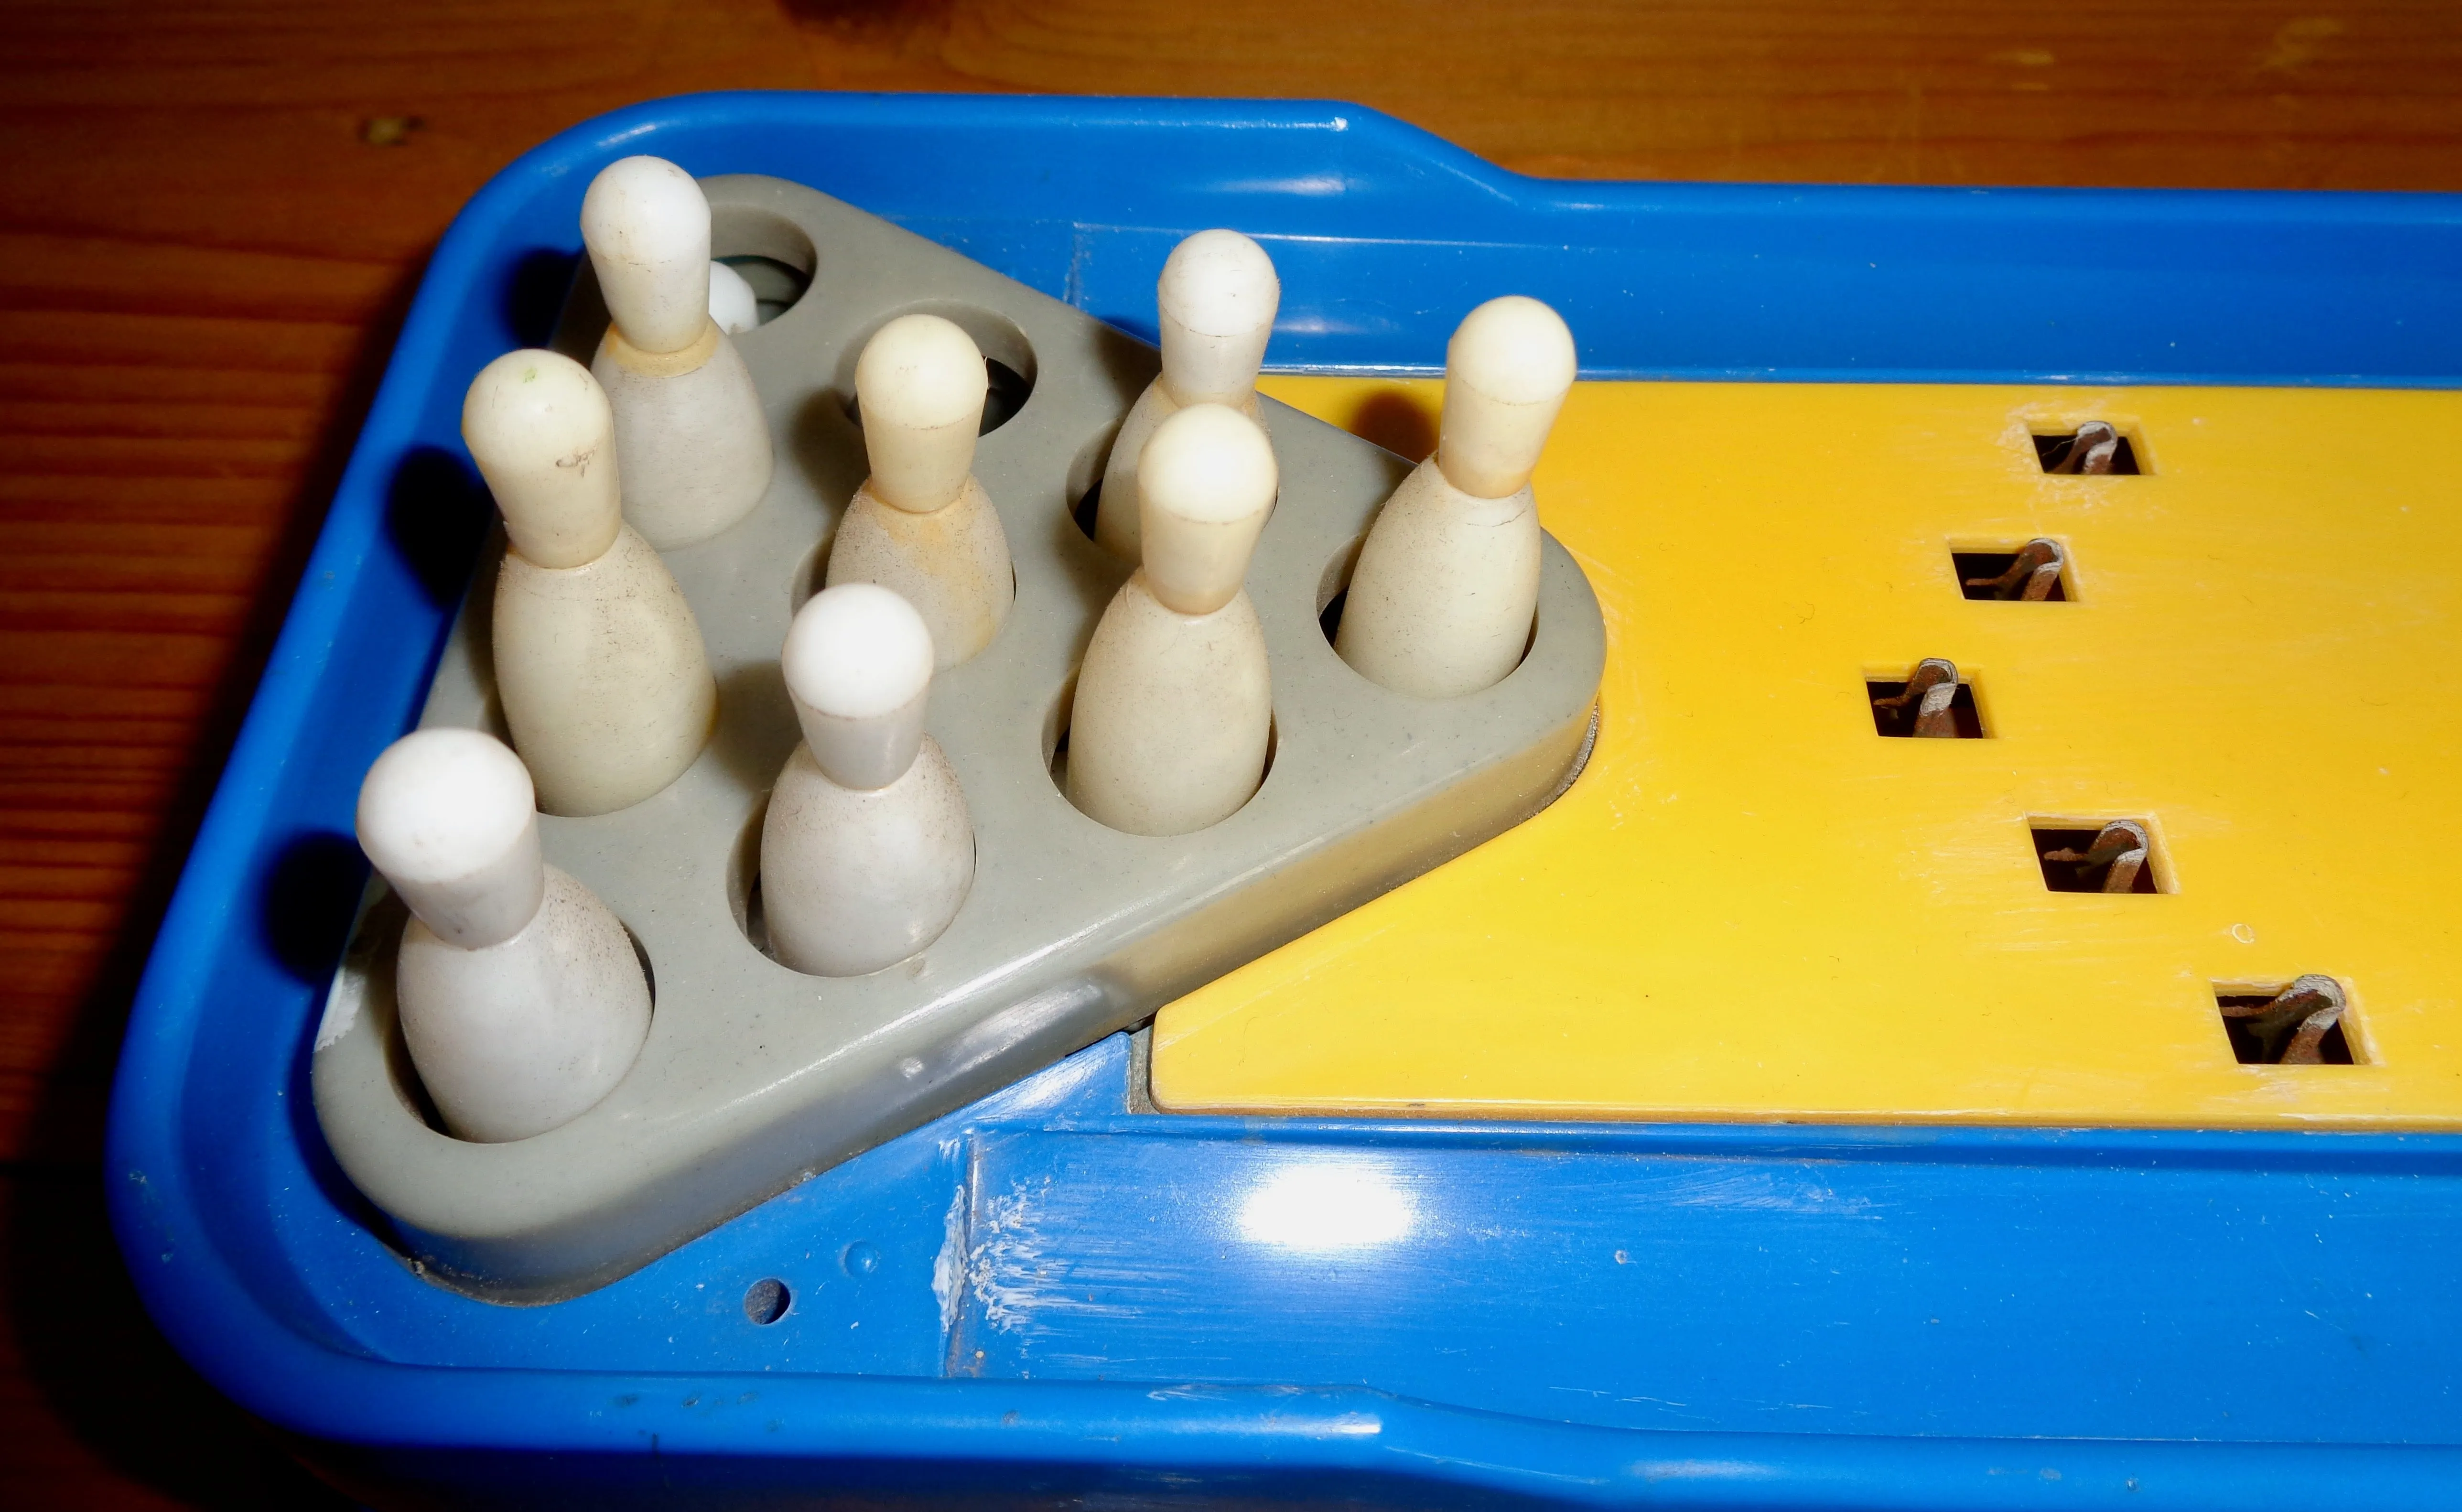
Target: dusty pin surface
(922, 525)
(867, 851)
(1215, 307)
(1440, 602)
(689, 426)
(1174, 710)
(605, 684)
(521, 999)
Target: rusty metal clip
(2290, 1029)
(1931, 688)
(2032, 573)
(2093, 453)
(2122, 847)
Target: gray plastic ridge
(754, 1075)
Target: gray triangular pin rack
(755, 1076)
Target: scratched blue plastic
(1051, 1294)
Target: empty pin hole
(1088, 507)
(2096, 449)
(2036, 573)
(1931, 701)
(775, 284)
(1333, 593)
(1055, 742)
(2117, 857)
(1084, 487)
(1333, 587)
(766, 1301)
(770, 252)
(1055, 734)
(2301, 1024)
(743, 883)
(1004, 395)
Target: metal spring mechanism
(2122, 847)
(1932, 691)
(2290, 1029)
(2031, 575)
(2092, 454)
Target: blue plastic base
(1049, 1294)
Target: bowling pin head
(448, 817)
(859, 666)
(733, 307)
(1507, 371)
(1215, 301)
(1205, 484)
(920, 386)
(646, 224)
(541, 431)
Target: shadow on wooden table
(106, 1374)
(102, 1374)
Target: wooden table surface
(212, 215)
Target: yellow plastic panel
(1753, 906)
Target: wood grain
(201, 264)
(2212, 93)
(203, 259)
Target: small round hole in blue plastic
(767, 1300)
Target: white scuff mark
(1207, 1392)
(1081, 252)
(949, 1266)
(1006, 1262)
(1018, 1282)
(1702, 1470)
(341, 1008)
(1312, 184)
(1766, 1192)
(1494, 1231)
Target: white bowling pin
(866, 850)
(1173, 706)
(920, 525)
(1213, 309)
(521, 997)
(733, 307)
(605, 684)
(688, 423)
(1441, 601)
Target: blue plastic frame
(1581, 1314)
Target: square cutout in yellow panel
(1749, 907)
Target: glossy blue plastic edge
(221, 1195)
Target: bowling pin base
(951, 564)
(1172, 714)
(1440, 602)
(759, 1074)
(854, 881)
(690, 439)
(518, 1037)
(605, 687)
